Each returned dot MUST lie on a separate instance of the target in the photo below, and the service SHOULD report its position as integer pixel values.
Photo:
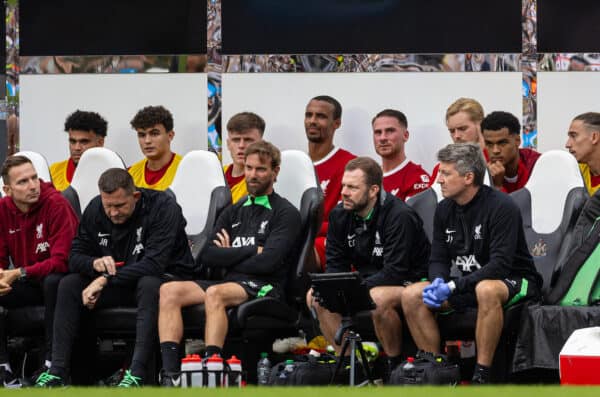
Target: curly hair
(151, 116)
(86, 121)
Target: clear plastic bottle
(409, 367)
(263, 369)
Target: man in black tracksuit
(129, 241)
(479, 257)
(383, 239)
(253, 243)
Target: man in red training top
(401, 177)
(323, 116)
(508, 165)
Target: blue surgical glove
(430, 299)
(442, 292)
(433, 286)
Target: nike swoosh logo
(13, 231)
(351, 236)
(103, 234)
(448, 231)
(177, 381)
(236, 225)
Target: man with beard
(508, 165)
(252, 241)
(86, 130)
(401, 177)
(583, 142)
(383, 239)
(323, 116)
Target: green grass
(422, 391)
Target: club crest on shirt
(39, 231)
(263, 225)
(324, 184)
(539, 249)
(477, 233)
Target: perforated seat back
(297, 182)
(201, 191)
(550, 203)
(84, 186)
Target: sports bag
(305, 370)
(428, 369)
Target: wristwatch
(23, 272)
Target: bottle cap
(289, 361)
(410, 359)
(215, 358)
(192, 358)
(264, 355)
(234, 360)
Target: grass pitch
(334, 391)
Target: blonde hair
(468, 105)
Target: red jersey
(527, 159)
(330, 170)
(39, 239)
(406, 180)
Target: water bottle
(235, 372)
(409, 368)
(191, 368)
(289, 368)
(214, 370)
(263, 369)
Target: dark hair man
(478, 234)
(154, 127)
(252, 240)
(401, 177)
(243, 129)
(38, 226)
(583, 142)
(509, 166)
(384, 240)
(322, 117)
(129, 241)
(86, 130)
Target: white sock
(6, 366)
(47, 363)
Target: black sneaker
(170, 379)
(8, 379)
(479, 379)
(31, 380)
(46, 379)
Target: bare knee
(214, 298)
(412, 297)
(489, 293)
(385, 299)
(170, 295)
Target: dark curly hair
(497, 120)
(86, 121)
(152, 115)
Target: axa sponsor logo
(42, 247)
(139, 247)
(240, 241)
(378, 251)
(466, 263)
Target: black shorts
(519, 289)
(381, 279)
(254, 289)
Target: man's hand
(259, 249)
(497, 172)
(91, 293)
(222, 239)
(436, 293)
(7, 277)
(106, 264)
